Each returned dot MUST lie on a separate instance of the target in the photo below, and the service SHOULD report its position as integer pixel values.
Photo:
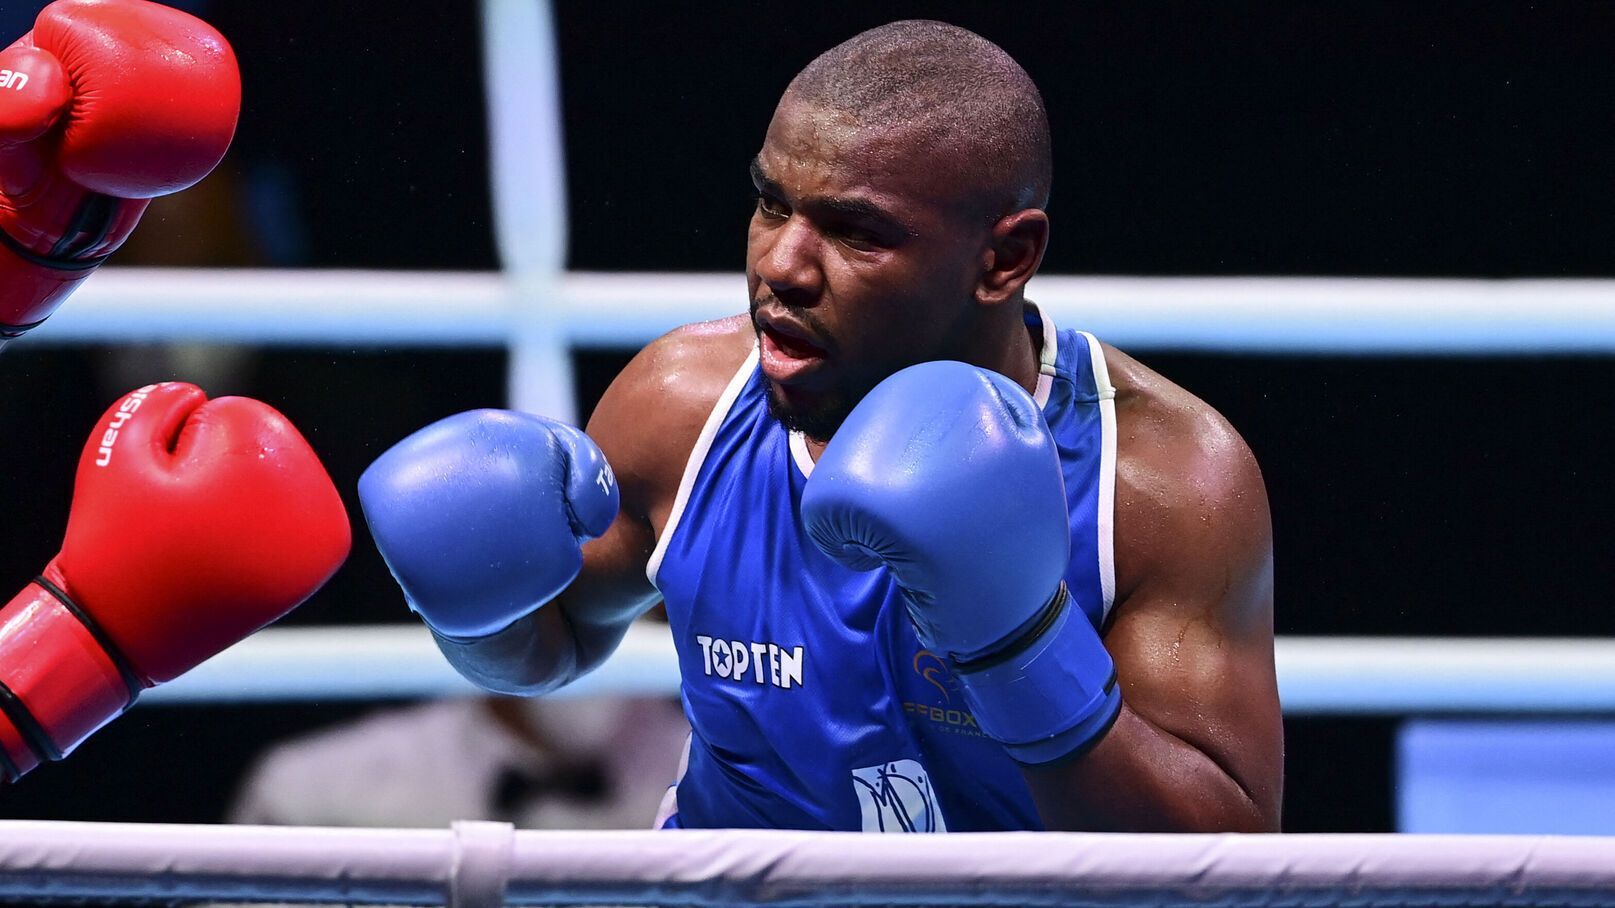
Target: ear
(1014, 252)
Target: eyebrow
(856, 209)
(760, 179)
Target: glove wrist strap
(31, 286)
(51, 261)
(1018, 642)
(58, 681)
(1049, 694)
(34, 281)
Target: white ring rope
(1281, 315)
(476, 861)
(1317, 675)
(389, 661)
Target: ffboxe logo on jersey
(929, 665)
(125, 411)
(948, 716)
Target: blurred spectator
(538, 763)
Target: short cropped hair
(960, 95)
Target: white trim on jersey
(1046, 359)
(800, 455)
(1107, 473)
(698, 456)
(670, 800)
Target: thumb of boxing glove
(34, 91)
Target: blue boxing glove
(482, 516)
(946, 475)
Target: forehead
(813, 150)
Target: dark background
(1436, 495)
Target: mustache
(821, 336)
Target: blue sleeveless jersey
(811, 703)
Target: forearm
(522, 659)
(1141, 778)
(542, 651)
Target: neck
(1003, 342)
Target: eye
(770, 207)
(857, 238)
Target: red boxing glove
(103, 106)
(194, 523)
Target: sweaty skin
(857, 249)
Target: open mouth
(786, 356)
(793, 347)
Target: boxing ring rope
(1317, 675)
(487, 864)
(1236, 314)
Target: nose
(785, 258)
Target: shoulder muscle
(1191, 507)
(649, 418)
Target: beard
(816, 414)
(818, 419)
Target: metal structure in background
(528, 168)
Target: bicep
(1204, 679)
(646, 424)
(612, 588)
(1193, 641)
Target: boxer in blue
(931, 563)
